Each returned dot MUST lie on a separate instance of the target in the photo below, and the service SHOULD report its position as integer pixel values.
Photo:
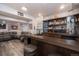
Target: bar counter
(64, 43)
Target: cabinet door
(45, 26)
(71, 25)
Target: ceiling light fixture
(39, 14)
(62, 7)
(24, 8)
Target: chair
(29, 49)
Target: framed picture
(14, 27)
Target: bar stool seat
(30, 50)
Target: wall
(37, 24)
(21, 27)
(24, 27)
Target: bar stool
(29, 49)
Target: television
(2, 25)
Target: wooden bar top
(65, 43)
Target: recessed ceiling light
(39, 14)
(62, 7)
(24, 8)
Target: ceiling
(46, 9)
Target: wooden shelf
(57, 24)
